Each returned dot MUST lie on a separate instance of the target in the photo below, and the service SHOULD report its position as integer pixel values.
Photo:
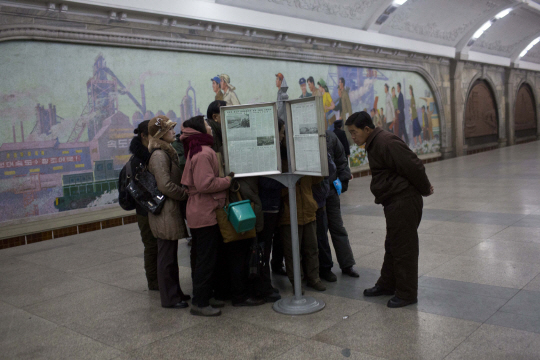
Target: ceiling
(442, 22)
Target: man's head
(338, 124)
(423, 109)
(360, 125)
(216, 83)
(213, 113)
(303, 85)
(382, 111)
(399, 87)
(279, 79)
(393, 91)
(386, 88)
(341, 84)
(373, 112)
(311, 83)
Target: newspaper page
(306, 136)
(251, 142)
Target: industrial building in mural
(80, 132)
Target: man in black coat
(342, 136)
(398, 182)
(338, 233)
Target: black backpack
(141, 187)
(125, 200)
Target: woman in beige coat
(168, 225)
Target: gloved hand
(344, 186)
(338, 186)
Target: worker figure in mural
(216, 87)
(398, 182)
(345, 105)
(417, 129)
(401, 108)
(395, 126)
(312, 88)
(281, 84)
(389, 104)
(229, 96)
(328, 104)
(426, 124)
(303, 87)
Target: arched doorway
(525, 113)
(481, 119)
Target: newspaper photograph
(306, 136)
(251, 142)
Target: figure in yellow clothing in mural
(328, 103)
(229, 96)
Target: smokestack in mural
(143, 99)
(14, 136)
(22, 132)
(188, 107)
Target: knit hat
(159, 126)
(227, 80)
(321, 82)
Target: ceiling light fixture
(503, 13)
(399, 2)
(529, 47)
(480, 31)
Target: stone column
(457, 105)
(510, 103)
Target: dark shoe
(216, 303)
(205, 311)
(351, 272)
(328, 276)
(319, 286)
(185, 297)
(273, 297)
(250, 302)
(279, 271)
(378, 291)
(396, 302)
(153, 287)
(180, 305)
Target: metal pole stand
(297, 304)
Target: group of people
(188, 168)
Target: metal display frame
(224, 109)
(321, 127)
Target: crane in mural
(102, 91)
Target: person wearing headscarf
(229, 96)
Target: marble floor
(85, 296)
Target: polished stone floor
(84, 296)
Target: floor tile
(532, 221)
(113, 271)
(526, 303)
(506, 251)
(17, 324)
(514, 321)
(116, 317)
(448, 245)
(492, 342)
(59, 343)
(71, 258)
(477, 231)
(534, 284)
(315, 350)
(487, 271)
(518, 234)
(427, 261)
(490, 218)
(398, 333)
(221, 338)
(305, 326)
(467, 288)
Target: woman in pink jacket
(207, 192)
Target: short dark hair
(360, 120)
(424, 107)
(393, 88)
(196, 123)
(142, 128)
(342, 80)
(311, 79)
(399, 84)
(213, 108)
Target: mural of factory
(46, 175)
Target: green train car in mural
(81, 189)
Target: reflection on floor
(85, 297)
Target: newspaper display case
(306, 136)
(251, 139)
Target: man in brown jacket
(306, 209)
(398, 182)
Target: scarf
(194, 142)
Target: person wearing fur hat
(207, 193)
(229, 96)
(167, 226)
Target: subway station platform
(85, 296)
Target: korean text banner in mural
(69, 111)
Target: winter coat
(322, 189)
(179, 147)
(207, 191)
(163, 164)
(281, 97)
(270, 194)
(343, 139)
(343, 172)
(306, 205)
(217, 134)
(249, 190)
(394, 167)
(140, 159)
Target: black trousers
(400, 266)
(325, 253)
(338, 233)
(150, 251)
(237, 255)
(167, 268)
(205, 243)
(265, 237)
